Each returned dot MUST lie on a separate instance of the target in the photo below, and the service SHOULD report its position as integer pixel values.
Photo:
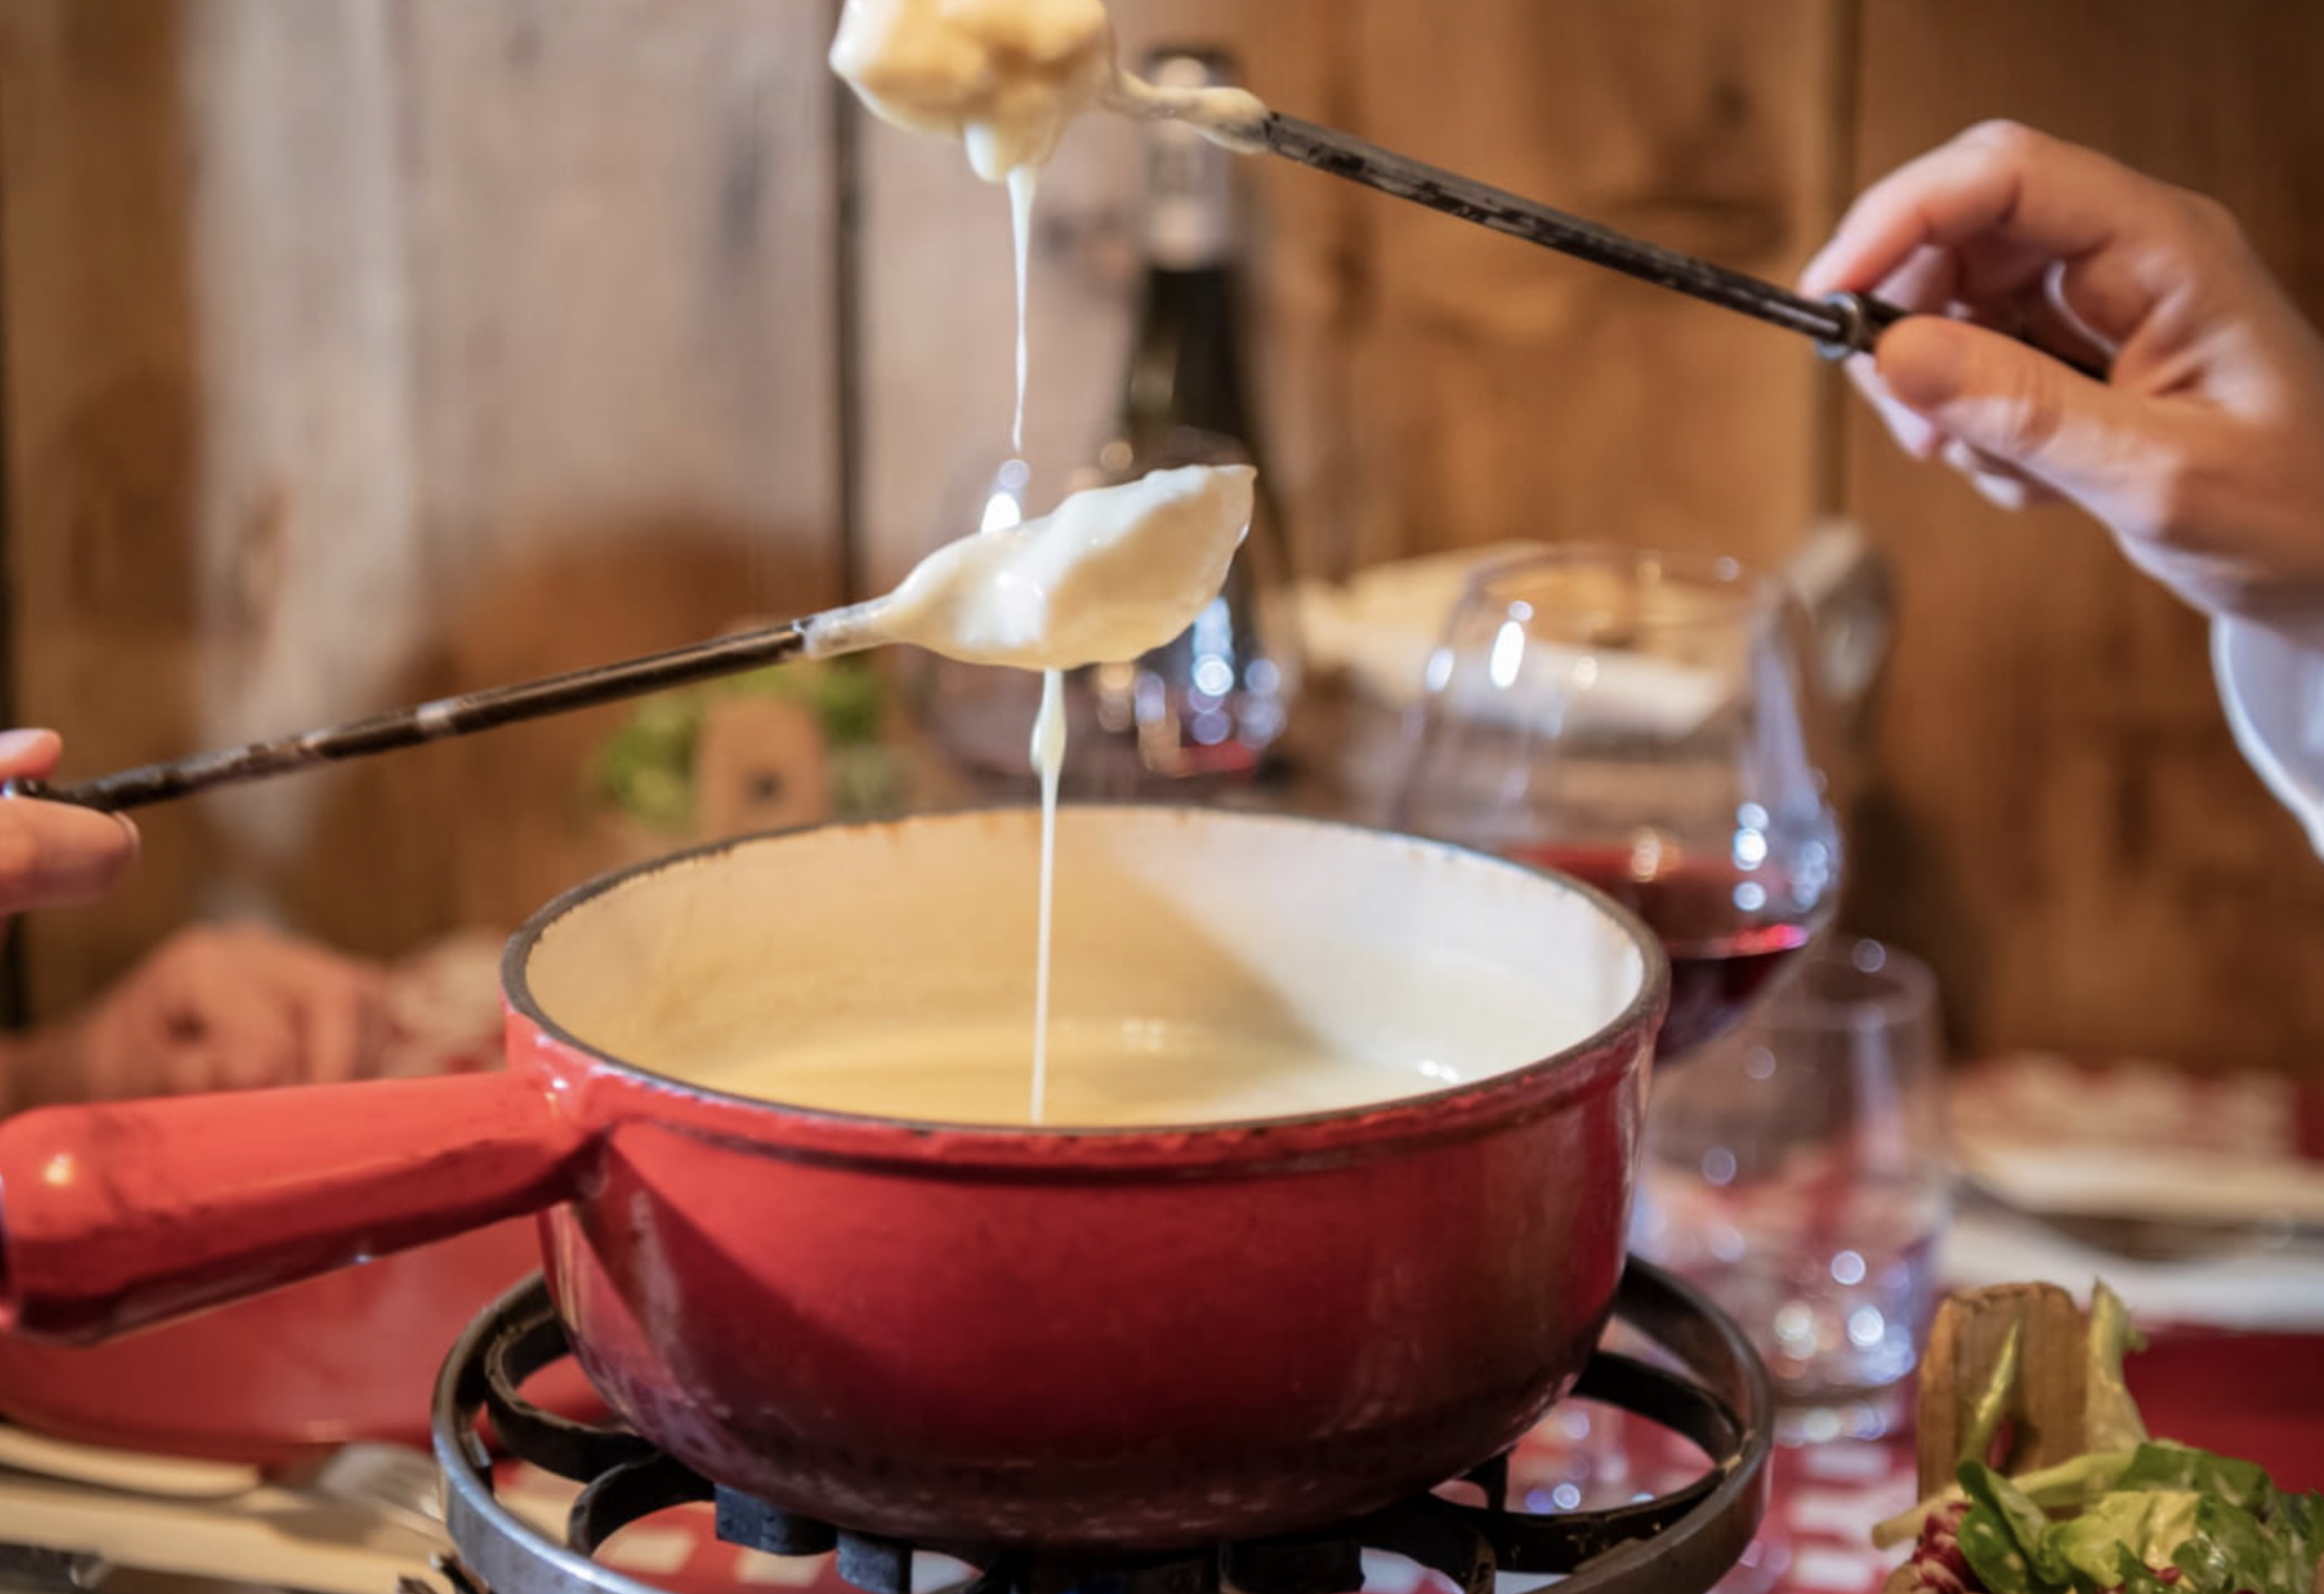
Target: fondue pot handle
(120, 1215)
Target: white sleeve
(2273, 690)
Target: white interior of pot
(1388, 966)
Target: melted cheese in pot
(1104, 1074)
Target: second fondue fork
(1841, 324)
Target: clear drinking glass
(1796, 1170)
(1647, 722)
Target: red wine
(1720, 954)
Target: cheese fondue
(1005, 78)
(1108, 575)
(1103, 1074)
(1111, 574)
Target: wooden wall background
(360, 349)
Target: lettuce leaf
(2273, 1551)
(2149, 1525)
(1995, 1554)
(2134, 1576)
(2110, 1416)
(2162, 1464)
(2228, 1550)
(2133, 1512)
(2298, 1522)
(2220, 1522)
(1993, 1401)
(2020, 1551)
(2069, 1484)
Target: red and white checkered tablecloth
(1822, 1499)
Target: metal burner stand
(1680, 1542)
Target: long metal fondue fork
(1841, 323)
(427, 722)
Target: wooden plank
(363, 351)
(1506, 394)
(621, 217)
(147, 526)
(2060, 823)
(302, 498)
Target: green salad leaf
(2140, 1515)
(2222, 1522)
(2027, 1523)
(2071, 1483)
(2145, 1526)
(1991, 1548)
(2227, 1549)
(645, 769)
(1993, 1400)
(2134, 1576)
(2161, 1464)
(2110, 1416)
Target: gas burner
(1710, 1390)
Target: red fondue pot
(1128, 1337)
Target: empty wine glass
(1647, 722)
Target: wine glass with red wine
(1647, 722)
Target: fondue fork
(459, 716)
(1841, 324)
(925, 610)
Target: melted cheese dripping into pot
(1005, 76)
(1111, 573)
(1023, 181)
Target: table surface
(2258, 1396)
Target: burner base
(1718, 1397)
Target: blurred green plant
(645, 770)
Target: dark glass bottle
(1215, 701)
(1186, 353)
